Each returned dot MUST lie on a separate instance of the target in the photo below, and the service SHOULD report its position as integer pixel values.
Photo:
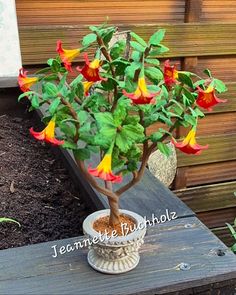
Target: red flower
(207, 98)
(141, 94)
(103, 170)
(67, 55)
(170, 74)
(189, 144)
(25, 82)
(90, 70)
(48, 134)
(87, 85)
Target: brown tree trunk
(114, 206)
(114, 211)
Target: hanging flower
(189, 144)
(67, 55)
(103, 170)
(141, 94)
(90, 70)
(207, 98)
(87, 85)
(48, 134)
(25, 82)
(170, 74)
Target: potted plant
(105, 111)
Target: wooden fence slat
(216, 172)
(221, 148)
(38, 42)
(209, 197)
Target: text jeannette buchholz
(104, 238)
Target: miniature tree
(108, 107)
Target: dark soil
(35, 189)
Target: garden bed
(35, 188)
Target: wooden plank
(72, 12)
(224, 235)
(32, 270)
(214, 124)
(38, 42)
(217, 10)
(221, 148)
(209, 197)
(216, 172)
(217, 218)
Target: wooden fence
(201, 34)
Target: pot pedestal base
(116, 266)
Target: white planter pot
(114, 255)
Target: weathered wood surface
(33, 270)
(215, 197)
(38, 43)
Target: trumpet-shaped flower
(103, 170)
(189, 144)
(207, 98)
(87, 85)
(90, 70)
(47, 134)
(67, 55)
(141, 94)
(25, 82)
(170, 74)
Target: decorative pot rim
(117, 240)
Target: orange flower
(48, 134)
(87, 85)
(207, 98)
(189, 144)
(170, 74)
(67, 55)
(141, 94)
(25, 82)
(103, 170)
(90, 70)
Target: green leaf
(153, 74)
(51, 89)
(76, 81)
(35, 102)
(155, 137)
(152, 61)
(130, 70)
(157, 37)
(164, 149)
(219, 85)
(135, 56)
(128, 135)
(137, 46)
(5, 219)
(82, 154)
(160, 49)
(43, 71)
(233, 248)
(89, 39)
(190, 119)
(83, 116)
(207, 72)
(107, 128)
(232, 230)
(54, 105)
(54, 64)
(25, 94)
(117, 49)
(69, 145)
(185, 79)
(62, 82)
(138, 39)
(188, 97)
